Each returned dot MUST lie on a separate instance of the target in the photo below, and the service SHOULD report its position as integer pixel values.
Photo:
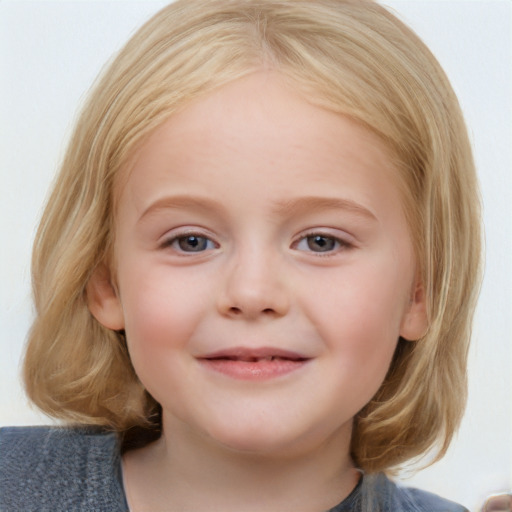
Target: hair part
(349, 56)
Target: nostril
(234, 310)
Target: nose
(254, 287)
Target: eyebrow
(290, 207)
(181, 201)
(315, 203)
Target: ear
(103, 300)
(415, 320)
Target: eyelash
(206, 243)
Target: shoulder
(53, 468)
(413, 500)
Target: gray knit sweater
(79, 470)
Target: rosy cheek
(160, 315)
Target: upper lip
(254, 354)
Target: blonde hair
(350, 56)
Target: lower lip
(254, 370)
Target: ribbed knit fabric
(376, 493)
(50, 469)
(60, 469)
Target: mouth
(254, 355)
(254, 364)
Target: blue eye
(191, 243)
(319, 243)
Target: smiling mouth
(255, 355)
(255, 359)
(254, 364)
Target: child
(256, 274)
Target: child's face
(254, 225)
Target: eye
(320, 243)
(190, 243)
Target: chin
(268, 442)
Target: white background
(50, 52)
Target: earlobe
(415, 320)
(103, 300)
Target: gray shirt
(79, 469)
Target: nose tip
(254, 291)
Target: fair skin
(263, 274)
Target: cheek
(161, 317)
(161, 310)
(366, 300)
(358, 312)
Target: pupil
(320, 243)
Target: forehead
(254, 132)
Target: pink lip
(254, 364)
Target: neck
(186, 472)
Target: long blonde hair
(350, 56)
